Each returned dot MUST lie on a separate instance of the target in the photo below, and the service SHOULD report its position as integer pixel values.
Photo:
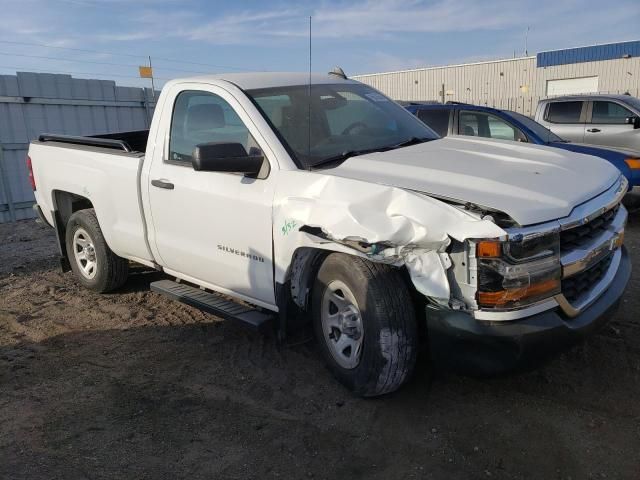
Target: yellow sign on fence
(145, 72)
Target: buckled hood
(532, 184)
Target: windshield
(540, 130)
(346, 119)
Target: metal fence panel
(5, 205)
(36, 103)
(14, 170)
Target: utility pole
(153, 88)
(147, 72)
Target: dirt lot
(131, 385)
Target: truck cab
(599, 119)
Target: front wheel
(365, 324)
(91, 259)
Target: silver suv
(611, 120)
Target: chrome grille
(582, 235)
(577, 285)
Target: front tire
(94, 264)
(365, 324)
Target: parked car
(609, 120)
(487, 122)
(351, 218)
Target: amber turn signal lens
(503, 297)
(619, 240)
(633, 163)
(489, 249)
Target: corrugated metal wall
(517, 83)
(35, 103)
(475, 82)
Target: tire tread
(398, 307)
(389, 302)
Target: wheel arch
(66, 204)
(294, 295)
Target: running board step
(213, 303)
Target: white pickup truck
(282, 199)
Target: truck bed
(132, 142)
(103, 169)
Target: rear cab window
(564, 112)
(437, 119)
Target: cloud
(363, 19)
(390, 19)
(278, 23)
(385, 62)
(361, 35)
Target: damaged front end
(382, 224)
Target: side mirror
(228, 157)
(635, 121)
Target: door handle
(593, 130)
(162, 184)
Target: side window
(202, 117)
(485, 125)
(564, 112)
(468, 124)
(438, 120)
(609, 112)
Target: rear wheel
(365, 323)
(91, 259)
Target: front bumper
(461, 343)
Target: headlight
(513, 274)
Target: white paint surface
(531, 183)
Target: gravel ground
(131, 385)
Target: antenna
(338, 72)
(153, 87)
(309, 53)
(309, 92)
(526, 42)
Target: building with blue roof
(518, 83)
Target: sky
(110, 38)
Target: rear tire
(365, 324)
(94, 264)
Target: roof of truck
(250, 81)
(587, 96)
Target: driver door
(212, 228)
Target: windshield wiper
(409, 142)
(354, 153)
(343, 156)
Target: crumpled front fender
(377, 222)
